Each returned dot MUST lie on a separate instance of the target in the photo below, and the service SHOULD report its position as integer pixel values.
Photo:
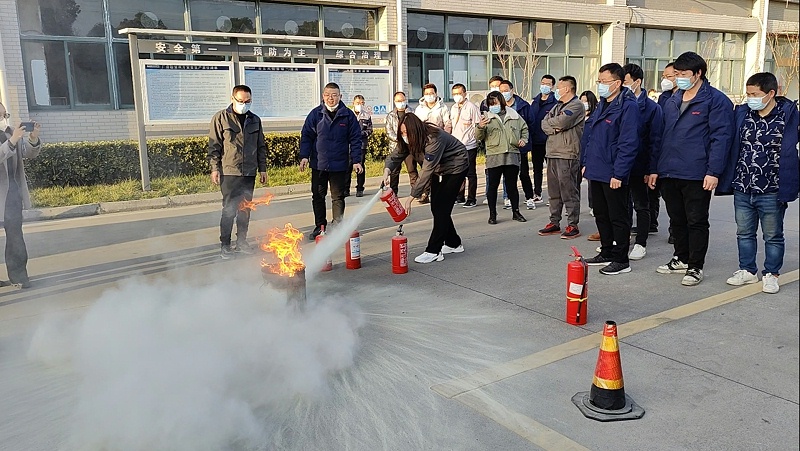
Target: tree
(514, 51)
(785, 54)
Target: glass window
(710, 45)
(289, 20)
(155, 14)
(584, 39)
(414, 76)
(459, 73)
(46, 67)
(89, 73)
(550, 38)
(556, 66)
(737, 73)
(434, 71)
(684, 41)
(478, 78)
(228, 16)
(61, 17)
(425, 31)
(122, 57)
(733, 46)
(349, 23)
(633, 41)
(510, 35)
(657, 43)
(468, 33)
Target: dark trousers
(537, 156)
(16, 252)
(640, 205)
(612, 219)
(687, 206)
(319, 190)
(655, 205)
(525, 175)
(413, 175)
(472, 177)
(235, 189)
(510, 172)
(362, 177)
(443, 196)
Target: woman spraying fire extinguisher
(444, 168)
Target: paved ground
(136, 336)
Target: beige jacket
(24, 149)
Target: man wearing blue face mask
(695, 150)
(540, 106)
(762, 175)
(522, 107)
(236, 151)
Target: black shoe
(615, 268)
(493, 219)
(360, 193)
(598, 260)
(653, 229)
(226, 252)
(460, 200)
(517, 216)
(313, 235)
(243, 248)
(5, 283)
(470, 204)
(671, 240)
(550, 229)
(346, 193)
(25, 285)
(634, 230)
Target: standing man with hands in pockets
(236, 151)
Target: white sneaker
(638, 252)
(674, 266)
(427, 257)
(770, 283)
(452, 250)
(485, 202)
(742, 277)
(693, 277)
(530, 204)
(537, 198)
(506, 204)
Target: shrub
(108, 162)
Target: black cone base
(630, 411)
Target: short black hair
(332, 86)
(634, 70)
(550, 77)
(242, 88)
(359, 97)
(765, 81)
(507, 82)
(495, 78)
(693, 62)
(669, 65)
(430, 86)
(615, 69)
(399, 92)
(459, 86)
(573, 83)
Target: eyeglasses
(606, 82)
(243, 101)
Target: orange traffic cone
(606, 401)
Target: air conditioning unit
(476, 97)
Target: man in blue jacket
(522, 107)
(540, 106)
(330, 139)
(668, 86)
(651, 125)
(695, 148)
(609, 147)
(762, 174)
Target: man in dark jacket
(608, 151)
(540, 106)
(668, 86)
(522, 107)
(330, 139)
(695, 148)
(236, 151)
(762, 174)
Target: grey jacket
(444, 155)
(232, 151)
(563, 126)
(23, 150)
(392, 125)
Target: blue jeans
(749, 209)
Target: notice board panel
(375, 83)
(282, 90)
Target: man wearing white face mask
(668, 86)
(465, 116)
(364, 116)
(236, 151)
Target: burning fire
(285, 244)
(253, 204)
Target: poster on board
(375, 83)
(184, 91)
(282, 90)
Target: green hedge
(106, 162)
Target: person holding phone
(14, 194)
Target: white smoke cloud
(194, 366)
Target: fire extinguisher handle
(575, 252)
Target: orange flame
(253, 204)
(285, 244)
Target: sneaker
(360, 193)
(492, 219)
(537, 198)
(452, 250)
(634, 230)
(485, 202)
(460, 200)
(469, 204)
(615, 268)
(598, 260)
(550, 229)
(674, 266)
(346, 193)
(244, 248)
(506, 204)
(530, 204)
(770, 283)
(427, 257)
(653, 229)
(226, 252)
(591, 212)
(571, 232)
(313, 235)
(594, 237)
(638, 252)
(742, 277)
(517, 216)
(671, 240)
(5, 283)
(693, 277)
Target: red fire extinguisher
(352, 251)
(328, 263)
(577, 289)
(392, 204)
(399, 252)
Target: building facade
(64, 62)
